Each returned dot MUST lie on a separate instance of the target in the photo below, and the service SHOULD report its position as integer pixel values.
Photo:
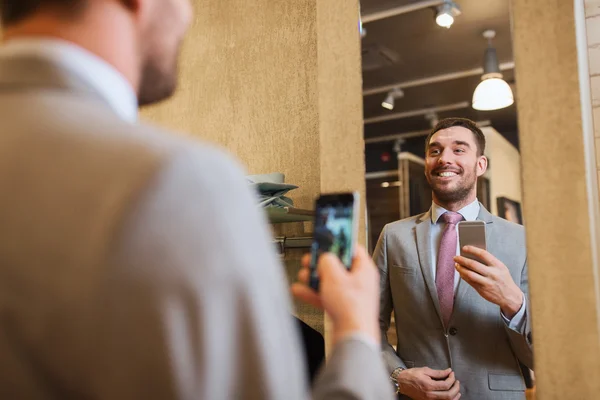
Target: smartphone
(471, 233)
(335, 230)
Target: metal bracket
(284, 243)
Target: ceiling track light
(446, 13)
(391, 97)
(432, 118)
(492, 93)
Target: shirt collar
(469, 212)
(103, 77)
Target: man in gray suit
(462, 326)
(135, 264)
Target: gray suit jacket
(479, 346)
(134, 264)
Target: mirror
(423, 62)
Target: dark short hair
(13, 11)
(464, 123)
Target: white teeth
(447, 174)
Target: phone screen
(333, 231)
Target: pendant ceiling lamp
(492, 93)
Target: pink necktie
(444, 279)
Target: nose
(445, 157)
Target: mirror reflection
(443, 172)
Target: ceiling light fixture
(446, 13)
(391, 184)
(492, 93)
(390, 100)
(432, 118)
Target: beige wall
(558, 199)
(505, 168)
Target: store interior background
(434, 71)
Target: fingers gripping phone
(335, 230)
(471, 233)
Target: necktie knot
(452, 218)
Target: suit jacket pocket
(504, 382)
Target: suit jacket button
(453, 331)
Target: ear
(139, 10)
(482, 164)
(132, 5)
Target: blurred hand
(491, 279)
(350, 298)
(426, 383)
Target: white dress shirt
(96, 72)
(469, 213)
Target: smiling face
(452, 166)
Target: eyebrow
(456, 142)
(461, 143)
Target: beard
(156, 85)
(458, 192)
(158, 80)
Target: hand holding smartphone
(335, 230)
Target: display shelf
(288, 214)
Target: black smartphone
(335, 229)
(471, 233)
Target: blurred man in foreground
(135, 264)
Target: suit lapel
(423, 236)
(485, 216)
